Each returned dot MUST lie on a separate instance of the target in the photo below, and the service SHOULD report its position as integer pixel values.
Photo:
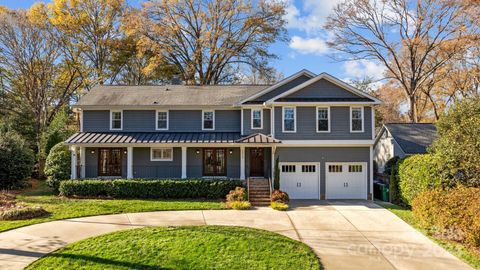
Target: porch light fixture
(125, 152)
(197, 151)
(230, 151)
(92, 152)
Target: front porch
(172, 161)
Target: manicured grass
(62, 208)
(467, 255)
(204, 247)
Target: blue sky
(306, 48)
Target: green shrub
(16, 160)
(393, 182)
(417, 173)
(240, 205)
(57, 166)
(277, 205)
(279, 196)
(454, 214)
(22, 212)
(145, 189)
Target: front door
(214, 162)
(110, 162)
(256, 162)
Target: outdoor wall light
(125, 152)
(197, 151)
(230, 151)
(92, 152)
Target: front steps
(259, 192)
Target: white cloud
(360, 69)
(311, 16)
(308, 45)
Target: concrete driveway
(344, 234)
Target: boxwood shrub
(149, 189)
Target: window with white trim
(323, 119)
(257, 115)
(161, 154)
(116, 120)
(356, 119)
(162, 120)
(289, 116)
(208, 120)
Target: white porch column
(274, 148)
(184, 162)
(242, 162)
(129, 162)
(73, 165)
(82, 162)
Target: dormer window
(257, 115)
(116, 120)
(356, 119)
(162, 120)
(208, 120)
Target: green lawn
(203, 247)
(467, 255)
(62, 208)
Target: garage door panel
(346, 180)
(300, 180)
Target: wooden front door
(256, 162)
(214, 162)
(110, 162)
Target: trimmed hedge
(149, 189)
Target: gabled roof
(258, 138)
(413, 138)
(331, 79)
(168, 95)
(303, 72)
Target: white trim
(129, 162)
(280, 83)
(371, 173)
(272, 154)
(363, 119)
(364, 164)
(241, 122)
(242, 162)
(373, 122)
(141, 107)
(82, 162)
(213, 120)
(160, 159)
(80, 115)
(73, 164)
(261, 118)
(121, 119)
(294, 119)
(329, 78)
(328, 119)
(331, 104)
(184, 162)
(156, 119)
(272, 121)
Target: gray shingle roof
(413, 138)
(172, 95)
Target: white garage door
(300, 180)
(346, 180)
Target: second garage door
(346, 180)
(300, 180)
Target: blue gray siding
(143, 167)
(91, 163)
(144, 121)
(277, 91)
(323, 155)
(322, 89)
(247, 124)
(339, 125)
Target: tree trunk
(413, 109)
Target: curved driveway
(344, 234)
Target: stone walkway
(344, 234)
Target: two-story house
(320, 128)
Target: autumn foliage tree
(208, 39)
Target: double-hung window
(289, 119)
(323, 119)
(208, 120)
(162, 120)
(257, 115)
(161, 154)
(356, 119)
(116, 120)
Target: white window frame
(121, 119)
(261, 118)
(328, 119)
(294, 119)
(203, 120)
(363, 119)
(156, 119)
(160, 159)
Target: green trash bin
(385, 191)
